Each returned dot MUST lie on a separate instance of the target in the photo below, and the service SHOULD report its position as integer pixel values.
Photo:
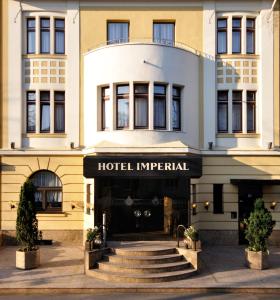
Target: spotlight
(206, 204)
(273, 205)
(210, 145)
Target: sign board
(146, 166)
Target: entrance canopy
(145, 166)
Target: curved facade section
(157, 67)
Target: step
(141, 278)
(143, 269)
(146, 252)
(134, 260)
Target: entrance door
(248, 193)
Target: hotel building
(157, 113)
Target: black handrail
(177, 234)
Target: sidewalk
(62, 270)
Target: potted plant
(93, 239)
(28, 256)
(192, 238)
(258, 228)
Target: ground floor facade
(141, 193)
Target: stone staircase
(142, 266)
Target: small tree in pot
(259, 227)
(27, 257)
(192, 238)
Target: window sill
(42, 56)
(241, 56)
(238, 135)
(51, 214)
(44, 135)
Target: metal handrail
(177, 234)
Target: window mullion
(37, 35)
(230, 111)
(51, 35)
(243, 35)
(244, 111)
(52, 111)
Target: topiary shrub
(259, 227)
(27, 223)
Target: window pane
(236, 42)
(45, 23)
(122, 89)
(164, 33)
(106, 92)
(59, 96)
(236, 23)
(45, 117)
(31, 117)
(159, 113)
(45, 35)
(222, 42)
(38, 200)
(123, 113)
(141, 112)
(59, 42)
(176, 91)
(236, 117)
(222, 117)
(160, 89)
(251, 118)
(250, 42)
(106, 114)
(141, 89)
(54, 199)
(31, 41)
(176, 114)
(117, 33)
(218, 199)
(222, 23)
(59, 118)
(250, 23)
(31, 96)
(59, 23)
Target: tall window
(159, 106)
(163, 33)
(222, 111)
(236, 35)
(237, 111)
(44, 111)
(31, 25)
(117, 32)
(122, 106)
(59, 111)
(222, 36)
(105, 97)
(31, 111)
(141, 106)
(218, 207)
(251, 111)
(250, 37)
(176, 108)
(48, 195)
(45, 35)
(59, 36)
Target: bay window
(164, 33)
(31, 111)
(222, 111)
(122, 106)
(117, 32)
(176, 108)
(105, 107)
(159, 106)
(44, 111)
(59, 111)
(141, 106)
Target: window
(163, 33)
(45, 35)
(159, 106)
(222, 111)
(141, 106)
(176, 108)
(59, 111)
(236, 35)
(117, 32)
(31, 25)
(222, 36)
(59, 36)
(122, 106)
(251, 111)
(88, 199)
(250, 37)
(218, 199)
(44, 111)
(31, 111)
(193, 199)
(237, 111)
(48, 195)
(105, 91)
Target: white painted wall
(124, 63)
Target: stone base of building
(219, 237)
(59, 237)
(274, 239)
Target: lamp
(269, 145)
(73, 206)
(206, 204)
(210, 145)
(194, 206)
(273, 204)
(12, 206)
(13, 145)
(72, 145)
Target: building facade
(156, 113)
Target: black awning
(255, 181)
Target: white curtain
(106, 113)
(59, 117)
(176, 114)
(222, 42)
(31, 117)
(45, 117)
(117, 33)
(54, 198)
(46, 179)
(237, 117)
(141, 112)
(164, 33)
(123, 113)
(222, 117)
(159, 112)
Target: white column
(37, 111)
(243, 35)
(244, 111)
(37, 35)
(229, 35)
(169, 107)
(52, 35)
(230, 111)
(113, 108)
(51, 111)
(131, 105)
(151, 105)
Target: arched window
(48, 196)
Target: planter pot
(88, 245)
(194, 245)
(256, 260)
(27, 260)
